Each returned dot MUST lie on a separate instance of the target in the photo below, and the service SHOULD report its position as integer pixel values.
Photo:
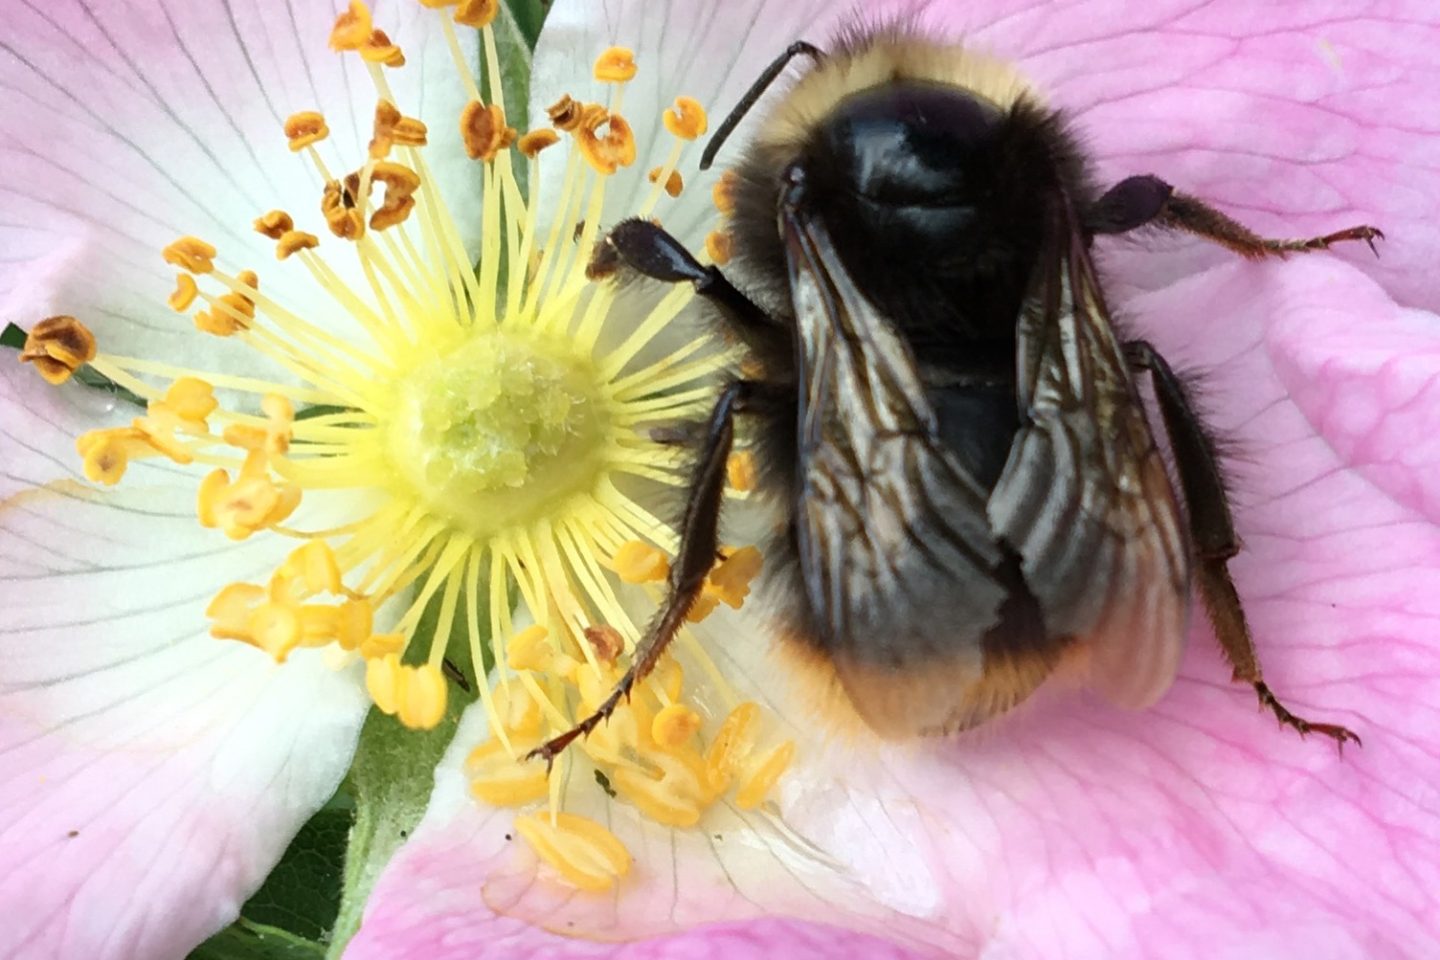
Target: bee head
(932, 188)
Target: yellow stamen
(677, 798)
(352, 28)
(274, 224)
(184, 294)
(231, 610)
(498, 778)
(615, 65)
(686, 119)
(731, 746)
(484, 131)
(422, 697)
(566, 113)
(583, 852)
(606, 641)
(58, 346)
(477, 13)
(638, 562)
(394, 129)
(673, 183)
(305, 128)
(674, 725)
(536, 140)
(192, 254)
(611, 150)
(382, 681)
(377, 48)
(293, 241)
(753, 792)
(730, 580)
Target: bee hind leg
(1212, 531)
(1143, 201)
(699, 540)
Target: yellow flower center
(498, 432)
(501, 424)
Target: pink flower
(1196, 828)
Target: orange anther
(293, 241)
(379, 49)
(338, 204)
(394, 129)
(606, 641)
(566, 113)
(190, 253)
(184, 293)
(477, 13)
(305, 128)
(686, 119)
(615, 65)
(536, 140)
(673, 183)
(484, 131)
(58, 346)
(274, 224)
(352, 28)
(611, 150)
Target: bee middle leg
(1212, 530)
(699, 541)
(1149, 201)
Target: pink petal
(150, 776)
(129, 125)
(1298, 119)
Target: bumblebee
(947, 409)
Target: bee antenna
(756, 91)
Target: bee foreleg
(1212, 532)
(1149, 201)
(699, 540)
(648, 250)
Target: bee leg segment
(651, 252)
(1212, 531)
(699, 541)
(1149, 201)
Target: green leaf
(302, 894)
(393, 774)
(12, 337)
(529, 17)
(253, 941)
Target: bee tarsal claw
(1341, 735)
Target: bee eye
(906, 144)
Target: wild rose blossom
(1195, 826)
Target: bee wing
(918, 607)
(1084, 497)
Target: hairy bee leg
(699, 540)
(1213, 531)
(648, 250)
(1149, 201)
